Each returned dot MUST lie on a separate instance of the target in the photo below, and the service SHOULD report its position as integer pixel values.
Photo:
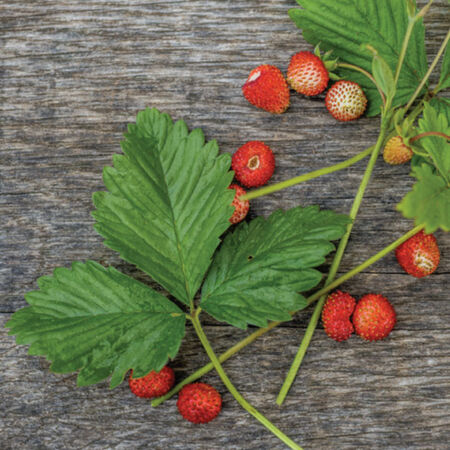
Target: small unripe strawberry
(241, 207)
(266, 88)
(346, 101)
(307, 74)
(396, 152)
(199, 403)
(374, 317)
(253, 164)
(419, 255)
(336, 315)
(153, 384)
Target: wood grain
(72, 75)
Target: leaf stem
(368, 75)
(292, 373)
(430, 69)
(261, 331)
(429, 133)
(234, 392)
(306, 177)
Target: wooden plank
(73, 74)
(392, 394)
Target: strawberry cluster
(197, 402)
(307, 74)
(373, 317)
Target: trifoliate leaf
(262, 266)
(168, 202)
(444, 80)
(428, 203)
(100, 321)
(345, 25)
(437, 147)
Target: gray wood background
(73, 74)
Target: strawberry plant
(169, 203)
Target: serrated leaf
(168, 202)
(428, 203)
(442, 106)
(100, 321)
(444, 79)
(347, 24)
(262, 266)
(438, 148)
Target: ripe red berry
(396, 152)
(266, 88)
(307, 74)
(419, 255)
(153, 384)
(253, 164)
(346, 101)
(374, 317)
(241, 207)
(199, 403)
(336, 315)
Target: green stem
(403, 50)
(430, 69)
(261, 331)
(307, 176)
(368, 75)
(234, 392)
(333, 270)
(208, 367)
(364, 265)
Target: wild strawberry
(396, 152)
(266, 88)
(374, 317)
(336, 315)
(346, 101)
(153, 384)
(241, 207)
(199, 402)
(419, 255)
(253, 164)
(307, 74)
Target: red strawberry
(154, 384)
(346, 101)
(307, 74)
(266, 88)
(253, 164)
(199, 402)
(419, 255)
(396, 152)
(374, 317)
(241, 207)
(336, 315)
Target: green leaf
(260, 267)
(100, 321)
(168, 202)
(347, 24)
(428, 202)
(442, 106)
(383, 76)
(438, 148)
(444, 80)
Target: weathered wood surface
(72, 75)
